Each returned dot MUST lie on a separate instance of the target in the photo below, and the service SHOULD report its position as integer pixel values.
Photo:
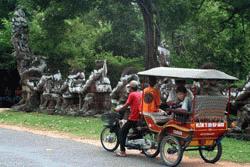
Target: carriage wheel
(211, 154)
(171, 151)
(109, 140)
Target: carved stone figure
(165, 86)
(69, 100)
(50, 87)
(85, 98)
(120, 92)
(243, 117)
(163, 56)
(29, 66)
(242, 103)
(97, 90)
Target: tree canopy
(76, 32)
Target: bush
(7, 61)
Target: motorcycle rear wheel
(154, 150)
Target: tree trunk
(152, 33)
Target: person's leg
(123, 135)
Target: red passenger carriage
(202, 129)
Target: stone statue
(120, 92)
(163, 56)
(242, 103)
(29, 66)
(50, 86)
(85, 98)
(165, 86)
(44, 86)
(68, 100)
(97, 90)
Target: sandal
(121, 154)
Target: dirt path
(4, 109)
(187, 162)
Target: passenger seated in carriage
(172, 97)
(183, 100)
(210, 88)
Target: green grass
(85, 127)
(236, 150)
(233, 150)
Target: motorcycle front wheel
(109, 140)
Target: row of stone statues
(73, 96)
(50, 90)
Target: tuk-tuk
(202, 129)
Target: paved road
(24, 149)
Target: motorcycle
(140, 138)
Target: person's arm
(186, 105)
(190, 93)
(122, 108)
(128, 102)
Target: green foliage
(239, 84)
(6, 6)
(79, 47)
(174, 13)
(37, 37)
(116, 65)
(72, 34)
(206, 37)
(5, 33)
(42, 45)
(79, 42)
(126, 37)
(7, 60)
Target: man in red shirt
(134, 100)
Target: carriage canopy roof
(187, 73)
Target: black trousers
(124, 132)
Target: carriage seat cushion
(158, 117)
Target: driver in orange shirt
(151, 97)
